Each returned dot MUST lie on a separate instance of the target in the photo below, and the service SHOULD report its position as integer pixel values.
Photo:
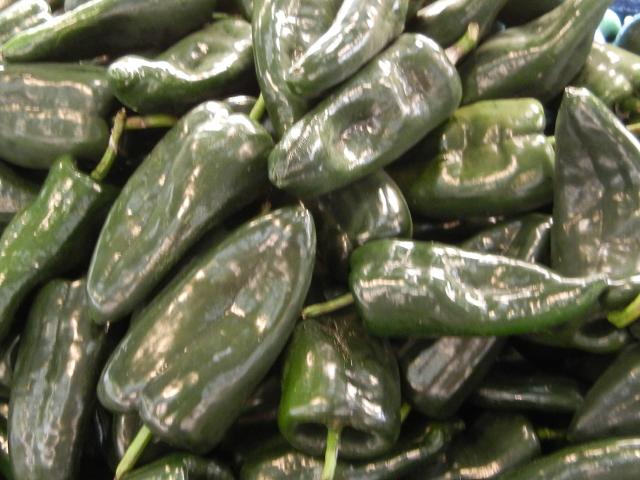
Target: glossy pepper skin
(48, 237)
(108, 26)
(338, 377)
(52, 397)
(491, 158)
(610, 459)
(360, 30)
(210, 63)
(429, 289)
(596, 191)
(16, 193)
(549, 54)
(369, 121)
(629, 37)
(179, 466)
(22, 15)
(612, 405)
(445, 21)
(60, 110)
(282, 32)
(517, 12)
(211, 164)
(225, 320)
(368, 209)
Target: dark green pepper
(423, 288)
(611, 459)
(48, 110)
(629, 37)
(360, 30)
(16, 193)
(108, 27)
(22, 15)
(52, 397)
(181, 466)
(517, 12)
(550, 54)
(490, 158)
(49, 236)
(336, 377)
(612, 406)
(369, 121)
(368, 209)
(210, 63)
(195, 177)
(201, 347)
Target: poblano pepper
(550, 54)
(52, 397)
(211, 164)
(422, 288)
(108, 27)
(201, 347)
(22, 15)
(369, 121)
(629, 37)
(517, 12)
(210, 63)
(49, 110)
(336, 378)
(16, 193)
(179, 466)
(490, 158)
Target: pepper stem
(258, 109)
(331, 454)
(331, 306)
(150, 121)
(134, 451)
(624, 318)
(465, 44)
(634, 128)
(405, 410)
(106, 162)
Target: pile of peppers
(319, 239)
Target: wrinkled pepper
(179, 466)
(16, 193)
(22, 15)
(221, 324)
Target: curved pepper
(179, 466)
(49, 236)
(49, 110)
(360, 30)
(490, 158)
(400, 95)
(549, 55)
(336, 377)
(210, 63)
(517, 12)
(366, 210)
(612, 406)
(211, 164)
(629, 37)
(108, 27)
(445, 21)
(222, 324)
(22, 15)
(16, 193)
(611, 459)
(421, 288)
(282, 32)
(61, 355)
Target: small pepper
(179, 466)
(16, 193)
(22, 15)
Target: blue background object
(626, 7)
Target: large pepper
(22, 15)
(369, 121)
(201, 347)
(551, 51)
(207, 64)
(16, 193)
(490, 158)
(629, 37)
(50, 235)
(612, 406)
(611, 459)
(211, 164)
(337, 378)
(368, 209)
(179, 466)
(517, 12)
(360, 29)
(49, 110)
(421, 288)
(282, 32)
(108, 26)
(52, 397)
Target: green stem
(102, 170)
(258, 109)
(464, 45)
(134, 451)
(405, 410)
(634, 128)
(150, 121)
(331, 306)
(624, 318)
(331, 454)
